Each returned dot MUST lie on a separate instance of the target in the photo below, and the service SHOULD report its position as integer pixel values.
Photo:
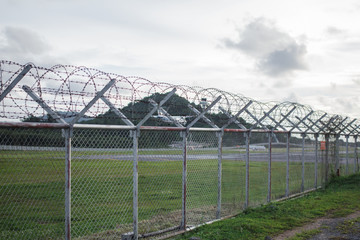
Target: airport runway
(259, 157)
(254, 155)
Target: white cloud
(23, 45)
(282, 82)
(284, 61)
(276, 52)
(22, 41)
(356, 80)
(291, 98)
(176, 42)
(332, 30)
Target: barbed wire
(68, 89)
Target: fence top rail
(101, 126)
(149, 128)
(33, 125)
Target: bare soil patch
(344, 228)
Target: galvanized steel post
(326, 158)
(316, 135)
(355, 152)
(67, 136)
(135, 135)
(220, 138)
(337, 161)
(269, 168)
(303, 163)
(93, 101)
(18, 78)
(247, 163)
(347, 155)
(287, 164)
(184, 180)
(43, 104)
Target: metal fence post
(44, 105)
(269, 168)
(326, 158)
(247, 163)
(184, 180)
(355, 152)
(15, 81)
(135, 135)
(93, 101)
(303, 163)
(347, 155)
(337, 163)
(220, 139)
(287, 164)
(316, 159)
(67, 136)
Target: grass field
(32, 192)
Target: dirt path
(330, 228)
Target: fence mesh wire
(278, 167)
(347, 156)
(258, 169)
(101, 183)
(295, 166)
(160, 180)
(309, 162)
(32, 181)
(202, 177)
(341, 154)
(233, 174)
(352, 162)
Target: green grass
(305, 234)
(32, 191)
(339, 199)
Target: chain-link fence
(32, 183)
(87, 157)
(278, 167)
(202, 177)
(160, 180)
(101, 183)
(233, 173)
(223, 174)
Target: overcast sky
(301, 50)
